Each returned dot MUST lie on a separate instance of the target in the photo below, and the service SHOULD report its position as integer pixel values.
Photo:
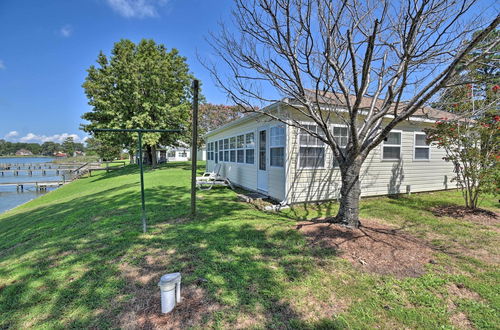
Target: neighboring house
(290, 166)
(24, 152)
(60, 154)
(179, 154)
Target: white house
(179, 154)
(290, 166)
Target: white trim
(382, 145)
(415, 147)
(278, 104)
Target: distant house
(288, 165)
(60, 154)
(180, 153)
(24, 152)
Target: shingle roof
(339, 100)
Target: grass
(76, 258)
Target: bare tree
(351, 60)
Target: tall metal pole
(194, 146)
(142, 184)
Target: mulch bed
(374, 247)
(480, 216)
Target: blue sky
(47, 46)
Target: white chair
(211, 176)
(210, 179)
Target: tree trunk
(154, 158)
(132, 157)
(350, 192)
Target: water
(9, 196)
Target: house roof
(366, 102)
(425, 113)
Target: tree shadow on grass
(60, 264)
(134, 169)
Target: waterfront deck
(39, 185)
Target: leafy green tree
(138, 86)
(212, 116)
(68, 146)
(49, 148)
(104, 150)
(473, 146)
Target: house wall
(245, 175)
(378, 177)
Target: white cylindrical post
(170, 291)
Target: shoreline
(34, 156)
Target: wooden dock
(30, 172)
(38, 166)
(39, 185)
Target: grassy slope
(62, 257)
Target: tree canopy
(138, 86)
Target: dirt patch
(459, 318)
(480, 216)
(374, 247)
(461, 292)
(190, 312)
(143, 310)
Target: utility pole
(194, 146)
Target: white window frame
(245, 148)
(210, 151)
(400, 145)
(249, 148)
(421, 147)
(226, 149)
(312, 146)
(271, 146)
(232, 148)
(242, 148)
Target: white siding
(378, 177)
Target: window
(249, 148)
(226, 150)
(240, 145)
(210, 151)
(216, 152)
(341, 136)
(277, 146)
(421, 147)
(312, 150)
(221, 151)
(232, 151)
(391, 149)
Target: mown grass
(63, 255)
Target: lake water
(9, 196)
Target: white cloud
(59, 138)
(136, 8)
(11, 134)
(2, 65)
(66, 31)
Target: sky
(46, 47)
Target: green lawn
(76, 258)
